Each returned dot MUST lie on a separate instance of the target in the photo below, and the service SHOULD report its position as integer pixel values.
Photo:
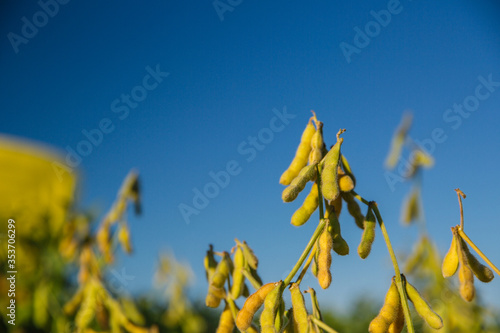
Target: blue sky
(219, 83)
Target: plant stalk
(478, 251)
(399, 282)
(304, 254)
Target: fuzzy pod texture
(337, 206)
(325, 246)
(465, 275)
(279, 319)
(301, 155)
(238, 277)
(226, 321)
(252, 329)
(423, 309)
(354, 209)
(299, 183)
(340, 246)
(216, 286)
(329, 175)
(252, 304)
(482, 272)
(388, 313)
(250, 257)
(316, 153)
(398, 324)
(299, 309)
(271, 304)
(346, 184)
(305, 211)
(450, 261)
(368, 236)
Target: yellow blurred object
(33, 186)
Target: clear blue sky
(73, 73)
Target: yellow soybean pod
(354, 209)
(299, 309)
(301, 155)
(483, 273)
(305, 211)
(216, 286)
(271, 304)
(298, 183)
(388, 313)
(424, 310)
(226, 321)
(329, 175)
(250, 257)
(325, 246)
(252, 304)
(346, 184)
(337, 206)
(339, 244)
(411, 207)
(398, 324)
(465, 275)
(450, 261)
(368, 236)
(316, 153)
(238, 277)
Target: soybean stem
(312, 241)
(320, 197)
(322, 325)
(304, 254)
(478, 251)
(232, 307)
(306, 265)
(250, 278)
(399, 282)
(460, 194)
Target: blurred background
(207, 101)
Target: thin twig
(461, 195)
(322, 324)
